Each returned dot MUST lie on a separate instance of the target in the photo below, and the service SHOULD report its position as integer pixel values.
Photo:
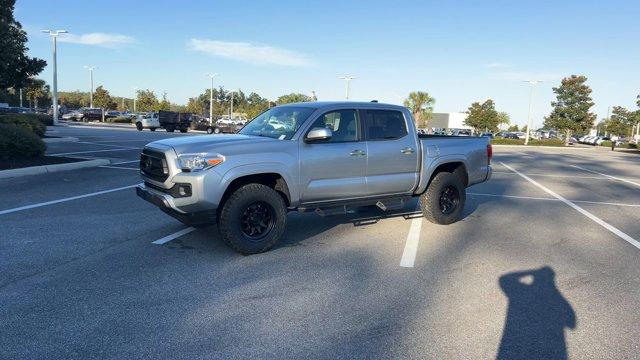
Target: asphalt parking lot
(545, 264)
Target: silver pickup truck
(325, 157)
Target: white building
(454, 120)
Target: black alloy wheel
(257, 220)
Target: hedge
(35, 123)
(532, 142)
(120, 120)
(17, 142)
(607, 143)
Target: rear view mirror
(318, 134)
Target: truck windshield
(279, 122)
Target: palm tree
(421, 105)
(37, 89)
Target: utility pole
(211, 96)
(533, 84)
(347, 79)
(91, 68)
(231, 110)
(54, 36)
(135, 97)
(20, 97)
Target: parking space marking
(126, 162)
(108, 145)
(119, 167)
(584, 212)
(27, 207)
(90, 152)
(173, 236)
(553, 199)
(608, 176)
(556, 176)
(411, 245)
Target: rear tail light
(489, 153)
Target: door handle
(407, 151)
(357, 153)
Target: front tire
(152, 129)
(209, 130)
(444, 200)
(216, 130)
(139, 126)
(253, 219)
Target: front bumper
(166, 204)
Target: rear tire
(184, 130)
(139, 126)
(253, 219)
(216, 130)
(209, 130)
(152, 129)
(444, 200)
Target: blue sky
(458, 51)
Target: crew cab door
(392, 165)
(334, 169)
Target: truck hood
(209, 143)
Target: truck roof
(356, 104)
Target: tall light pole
(20, 97)
(347, 79)
(533, 84)
(135, 97)
(211, 96)
(90, 68)
(54, 36)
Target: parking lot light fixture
(347, 80)
(90, 68)
(54, 93)
(211, 96)
(533, 84)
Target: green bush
(606, 143)
(120, 120)
(17, 142)
(546, 142)
(532, 142)
(503, 141)
(30, 122)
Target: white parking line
(413, 239)
(119, 167)
(554, 199)
(584, 212)
(89, 152)
(173, 236)
(555, 176)
(27, 207)
(608, 176)
(108, 145)
(126, 162)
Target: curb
(45, 169)
(542, 147)
(60, 139)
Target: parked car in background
(149, 121)
(487, 134)
(90, 114)
(601, 139)
(461, 132)
(112, 114)
(73, 115)
(510, 135)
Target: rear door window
(384, 125)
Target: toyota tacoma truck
(326, 157)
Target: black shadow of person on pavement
(536, 317)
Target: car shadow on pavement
(537, 316)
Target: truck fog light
(184, 190)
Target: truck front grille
(153, 165)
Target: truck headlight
(198, 162)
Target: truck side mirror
(318, 134)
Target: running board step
(384, 205)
